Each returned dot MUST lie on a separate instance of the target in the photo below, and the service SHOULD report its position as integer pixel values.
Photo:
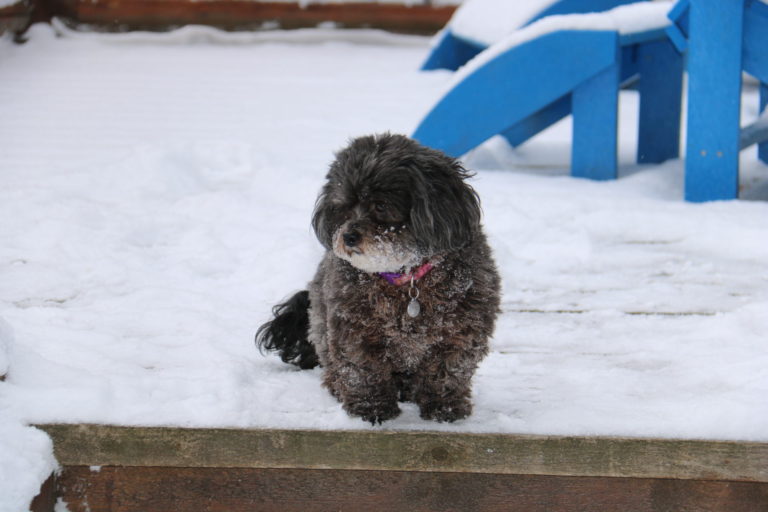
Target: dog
(405, 299)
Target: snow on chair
(477, 24)
(568, 64)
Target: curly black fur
(287, 332)
(390, 204)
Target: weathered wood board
(161, 489)
(103, 445)
(110, 469)
(238, 14)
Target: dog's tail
(287, 333)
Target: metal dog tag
(414, 308)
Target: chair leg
(762, 148)
(595, 105)
(661, 88)
(714, 99)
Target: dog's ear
(340, 182)
(445, 209)
(321, 218)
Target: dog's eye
(385, 212)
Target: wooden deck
(108, 468)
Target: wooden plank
(238, 14)
(46, 500)
(137, 489)
(101, 445)
(15, 17)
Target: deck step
(111, 468)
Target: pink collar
(401, 279)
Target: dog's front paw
(375, 412)
(446, 411)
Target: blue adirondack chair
(518, 90)
(525, 88)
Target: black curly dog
(407, 294)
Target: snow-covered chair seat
(477, 24)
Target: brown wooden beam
(14, 19)
(239, 14)
(46, 500)
(167, 489)
(104, 445)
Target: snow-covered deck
(155, 196)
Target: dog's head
(389, 203)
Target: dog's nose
(351, 238)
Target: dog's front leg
(442, 385)
(367, 391)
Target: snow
(625, 19)
(489, 21)
(6, 336)
(26, 453)
(26, 461)
(155, 199)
